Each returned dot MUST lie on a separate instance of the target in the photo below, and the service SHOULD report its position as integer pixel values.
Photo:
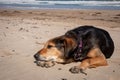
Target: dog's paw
(49, 64)
(39, 63)
(45, 64)
(76, 70)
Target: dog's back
(102, 37)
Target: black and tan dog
(90, 45)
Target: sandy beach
(23, 33)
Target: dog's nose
(36, 56)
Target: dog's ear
(66, 45)
(70, 45)
(60, 43)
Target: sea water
(61, 4)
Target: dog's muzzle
(43, 63)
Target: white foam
(17, 1)
(87, 3)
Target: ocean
(61, 4)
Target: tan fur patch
(96, 58)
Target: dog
(88, 44)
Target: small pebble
(59, 68)
(20, 29)
(7, 27)
(113, 70)
(36, 37)
(13, 50)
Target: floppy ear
(70, 45)
(60, 43)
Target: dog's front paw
(77, 70)
(74, 69)
(45, 64)
(49, 64)
(39, 63)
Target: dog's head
(57, 49)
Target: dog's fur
(96, 47)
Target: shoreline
(28, 8)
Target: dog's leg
(93, 62)
(95, 59)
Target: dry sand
(23, 33)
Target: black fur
(91, 37)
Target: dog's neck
(78, 51)
(80, 46)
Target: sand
(23, 33)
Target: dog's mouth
(43, 58)
(44, 61)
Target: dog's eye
(60, 47)
(49, 46)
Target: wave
(61, 4)
(71, 2)
(88, 3)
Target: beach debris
(2, 56)
(36, 37)
(16, 11)
(7, 27)
(95, 13)
(63, 79)
(98, 13)
(117, 14)
(113, 70)
(59, 68)
(34, 27)
(13, 50)
(5, 11)
(116, 17)
(22, 29)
